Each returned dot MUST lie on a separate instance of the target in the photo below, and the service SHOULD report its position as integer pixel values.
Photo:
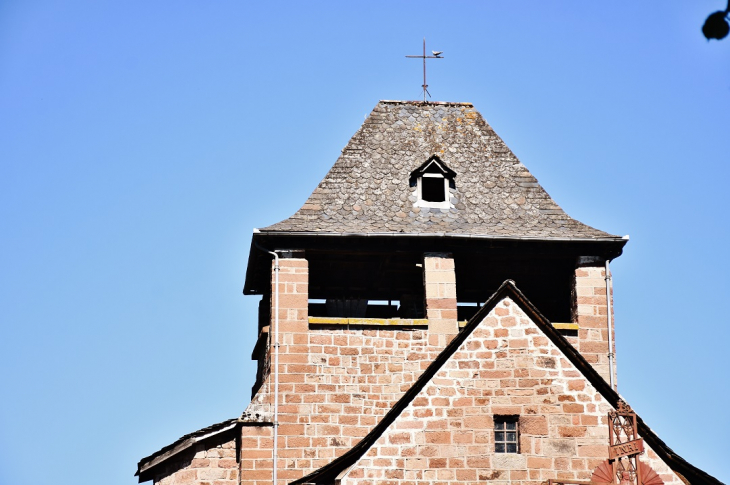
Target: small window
(506, 434)
(433, 189)
(432, 181)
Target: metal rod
(610, 328)
(424, 57)
(425, 86)
(275, 342)
(276, 365)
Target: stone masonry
(590, 313)
(337, 383)
(505, 367)
(212, 463)
(439, 281)
(334, 383)
(351, 378)
(256, 463)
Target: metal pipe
(610, 328)
(276, 361)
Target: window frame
(430, 203)
(503, 424)
(441, 172)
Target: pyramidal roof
(370, 189)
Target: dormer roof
(368, 190)
(434, 164)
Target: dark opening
(546, 281)
(365, 285)
(432, 189)
(466, 310)
(568, 332)
(360, 308)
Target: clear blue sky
(140, 143)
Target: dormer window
(434, 187)
(432, 181)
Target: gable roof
(183, 443)
(434, 161)
(147, 464)
(328, 473)
(367, 190)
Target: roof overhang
(147, 466)
(258, 271)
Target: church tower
(429, 315)
(422, 217)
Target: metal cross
(436, 55)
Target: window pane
(506, 434)
(432, 189)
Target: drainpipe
(276, 359)
(610, 329)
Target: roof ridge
(426, 103)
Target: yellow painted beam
(328, 320)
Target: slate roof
(181, 444)
(146, 464)
(367, 190)
(328, 473)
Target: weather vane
(436, 55)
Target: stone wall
(256, 455)
(590, 313)
(334, 383)
(334, 388)
(292, 331)
(439, 280)
(210, 462)
(507, 366)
